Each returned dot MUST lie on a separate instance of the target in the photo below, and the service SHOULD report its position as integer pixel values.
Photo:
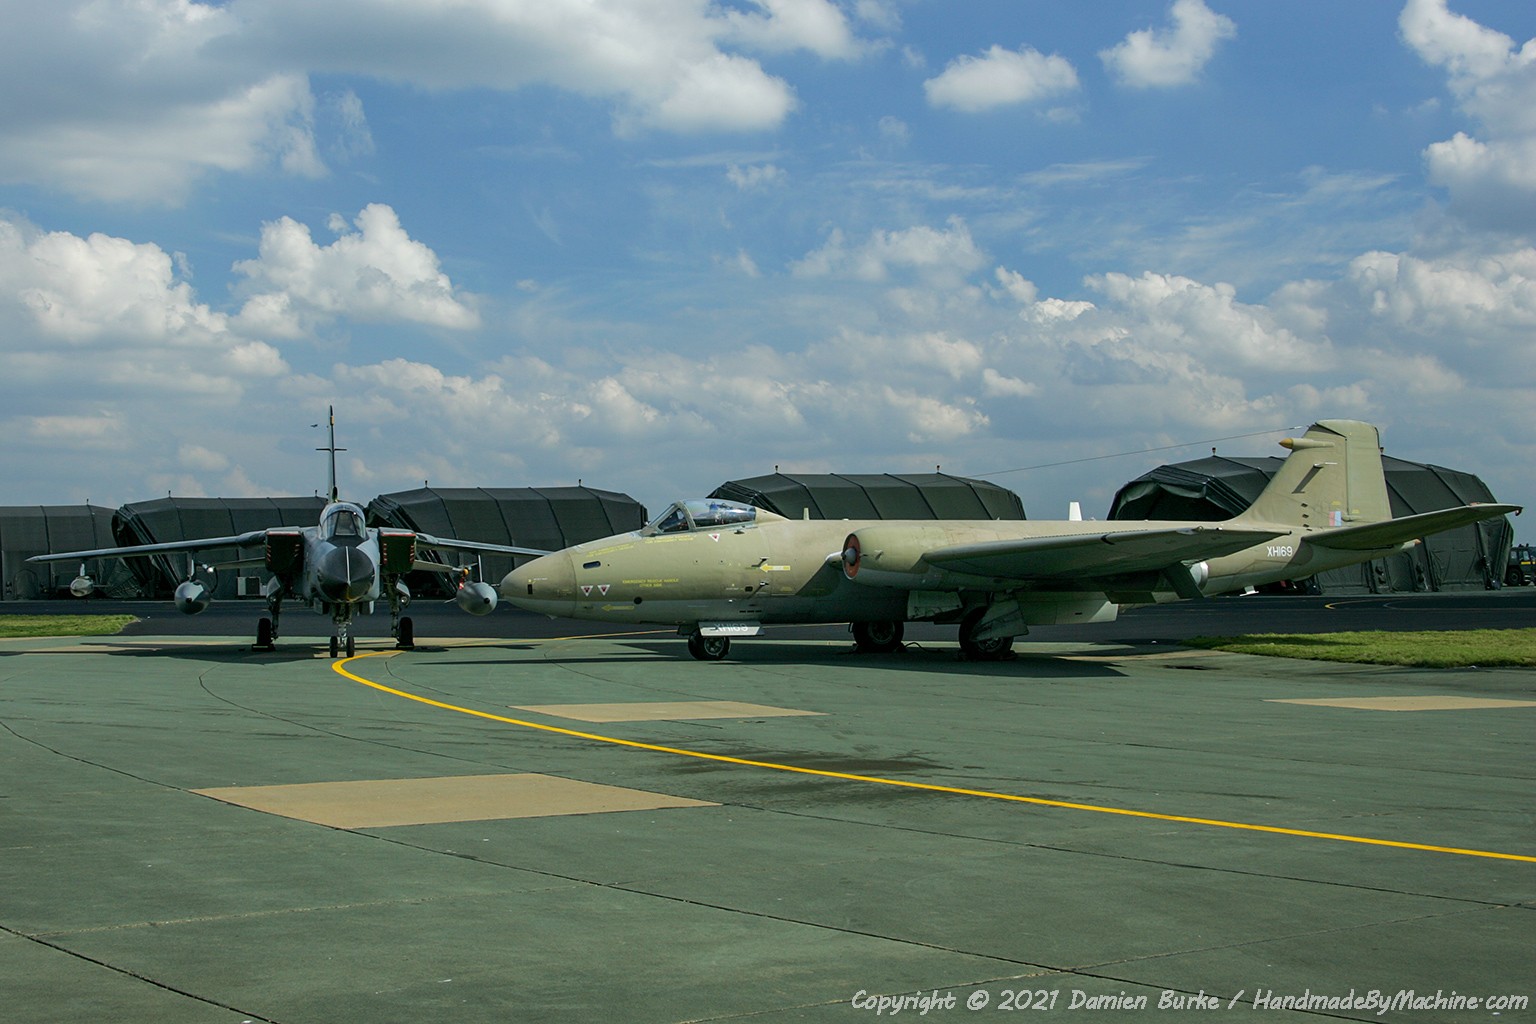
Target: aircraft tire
(335, 646)
(264, 634)
(992, 649)
(877, 637)
(352, 645)
(708, 648)
(406, 640)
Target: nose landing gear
(708, 648)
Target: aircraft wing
(244, 540)
(1089, 556)
(1391, 532)
(426, 540)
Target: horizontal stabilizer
(1098, 554)
(1392, 532)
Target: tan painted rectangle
(660, 711)
(385, 803)
(1429, 703)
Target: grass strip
(63, 625)
(1476, 648)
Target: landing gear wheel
(877, 637)
(405, 636)
(335, 646)
(993, 649)
(352, 645)
(264, 634)
(708, 648)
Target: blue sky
(658, 244)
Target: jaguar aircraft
(339, 567)
(718, 569)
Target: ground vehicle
(1522, 566)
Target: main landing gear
(997, 648)
(877, 637)
(266, 628)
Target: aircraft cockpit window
(673, 520)
(703, 514)
(343, 524)
(714, 514)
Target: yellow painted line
(340, 667)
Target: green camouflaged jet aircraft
(718, 569)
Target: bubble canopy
(702, 514)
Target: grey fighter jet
(718, 570)
(339, 567)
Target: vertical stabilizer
(1333, 477)
(335, 493)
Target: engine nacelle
(880, 556)
(476, 598)
(192, 597)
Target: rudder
(1333, 477)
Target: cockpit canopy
(342, 521)
(702, 514)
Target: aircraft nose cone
(546, 584)
(344, 575)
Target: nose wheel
(708, 648)
(343, 640)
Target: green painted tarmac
(1086, 821)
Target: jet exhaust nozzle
(192, 597)
(476, 598)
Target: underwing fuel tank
(192, 597)
(476, 598)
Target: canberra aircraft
(339, 567)
(719, 569)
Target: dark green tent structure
(549, 518)
(171, 519)
(27, 530)
(1216, 488)
(874, 496)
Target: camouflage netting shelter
(1469, 558)
(27, 530)
(548, 518)
(874, 496)
(172, 519)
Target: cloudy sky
(654, 245)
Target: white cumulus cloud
(1001, 77)
(1160, 58)
(936, 253)
(1491, 177)
(376, 272)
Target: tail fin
(335, 492)
(1333, 477)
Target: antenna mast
(335, 495)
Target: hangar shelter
(548, 518)
(1219, 487)
(874, 496)
(27, 530)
